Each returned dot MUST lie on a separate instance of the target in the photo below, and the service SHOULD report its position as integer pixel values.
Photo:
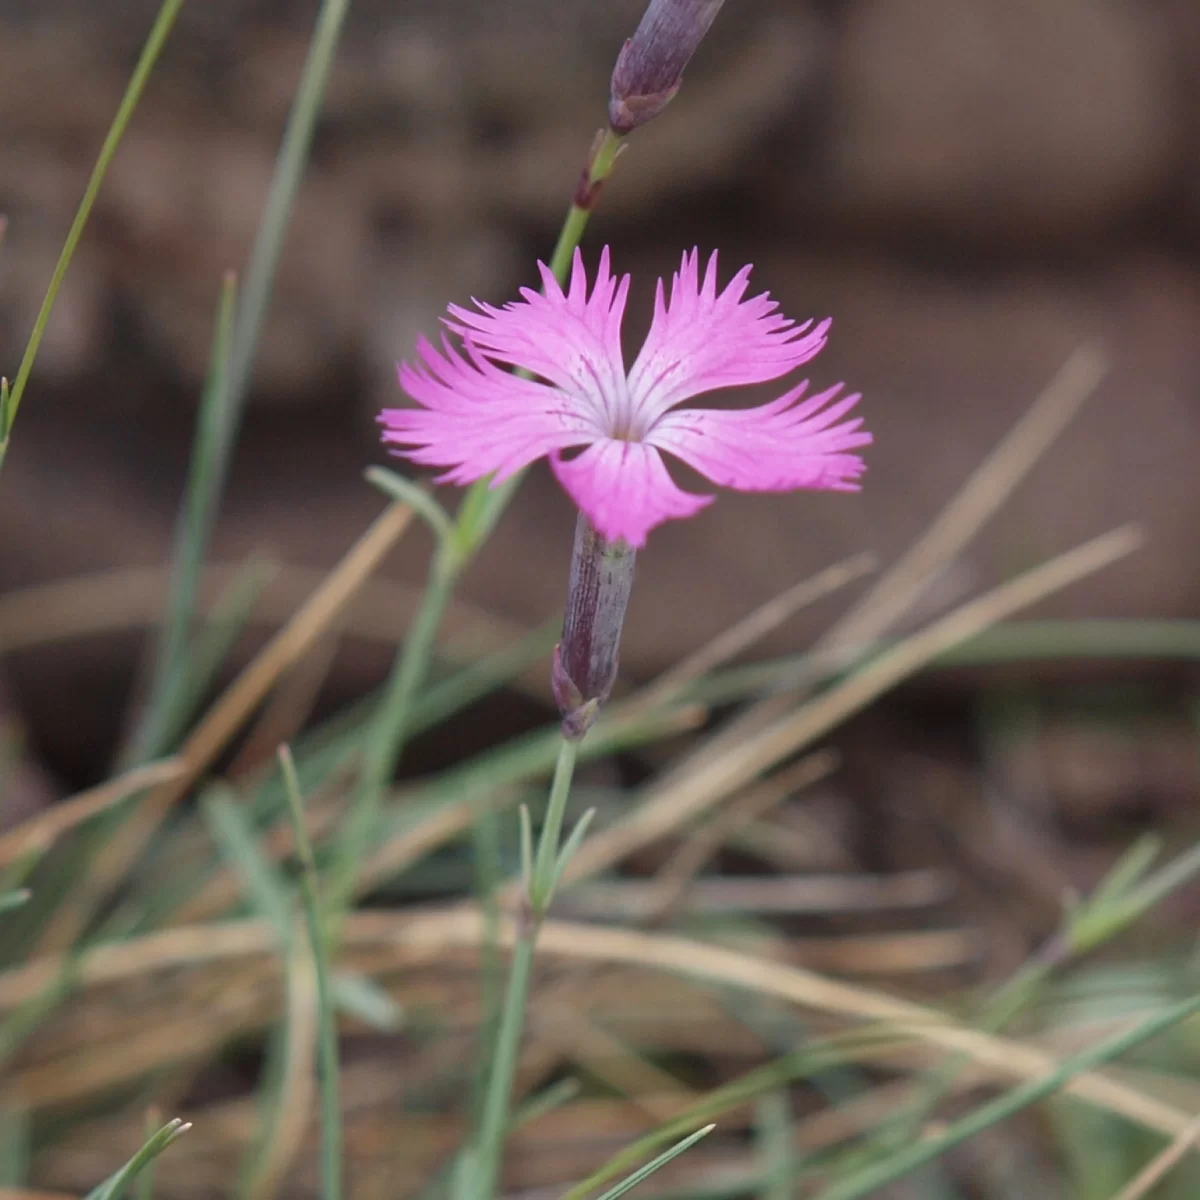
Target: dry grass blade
(751, 629)
(579, 1039)
(132, 598)
(982, 496)
(954, 527)
(290, 705)
(422, 937)
(40, 832)
(224, 719)
(634, 900)
(1158, 1167)
(406, 848)
(697, 785)
(297, 1085)
(672, 880)
(13, 1193)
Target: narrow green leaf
(115, 1185)
(11, 900)
(1127, 871)
(569, 849)
(773, 1121)
(327, 1038)
(656, 1164)
(237, 840)
(155, 42)
(398, 487)
(361, 997)
(555, 1096)
(526, 847)
(14, 1147)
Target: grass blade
(331, 1109)
(201, 495)
(238, 842)
(116, 1184)
(656, 1164)
(864, 1182)
(157, 38)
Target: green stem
(327, 1039)
(477, 515)
(387, 737)
(541, 886)
(159, 33)
(1014, 995)
(289, 169)
(221, 417)
(191, 541)
(482, 506)
(487, 871)
(495, 1121)
(604, 157)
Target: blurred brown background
(969, 187)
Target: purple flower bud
(585, 661)
(650, 66)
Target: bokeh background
(970, 188)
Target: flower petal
(573, 340)
(788, 444)
(478, 419)
(701, 340)
(624, 489)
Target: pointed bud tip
(650, 67)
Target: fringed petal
(571, 339)
(480, 420)
(624, 489)
(792, 443)
(701, 340)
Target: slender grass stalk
(209, 651)
(661, 1161)
(916, 1154)
(111, 857)
(774, 1125)
(539, 890)
(115, 1185)
(15, 899)
(6, 417)
(814, 1058)
(155, 41)
(196, 519)
(226, 397)
(385, 740)
(1121, 898)
(554, 1097)
(268, 241)
(15, 1148)
(327, 1043)
(546, 862)
(145, 1182)
(494, 1122)
(486, 871)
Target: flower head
(479, 419)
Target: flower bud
(650, 66)
(585, 661)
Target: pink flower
(479, 419)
